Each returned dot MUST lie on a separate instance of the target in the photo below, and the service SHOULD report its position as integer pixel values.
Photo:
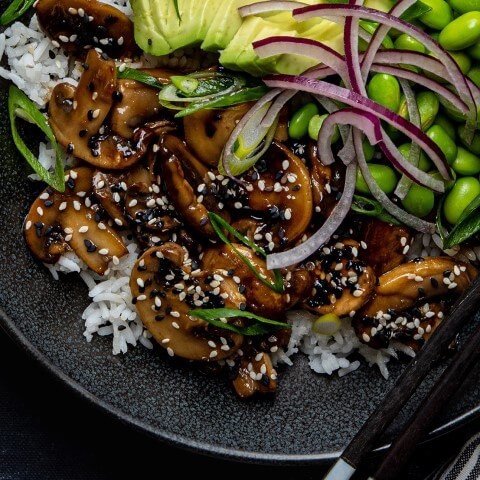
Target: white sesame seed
(140, 283)
(175, 314)
(446, 281)
(72, 11)
(83, 229)
(141, 298)
(119, 222)
(68, 238)
(406, 249)
(365, 337)
(63, 38)
(40, 211)
(165, 340)
(418, 278)
(288, 214)
(253, 375)
(170, 351)
(403, 241)
(76, 205)
(277, 187)
(357, 293)
(213, 354)
(120, 41)
(258, 356)
(456, 270)
(452, 286)
(176, 325)
(225, 348)
(417, 336)
(430, 314)
(363, 245)
(212, 344)
(28, 225)
(428, 328)
(101, 226)
(285, 164)
(104, 251)
(274, 349)
(44, 196)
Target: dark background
(47, 432)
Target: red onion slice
(355, 100)
(352, 60)
(268, 7)
(454, 72)
(323, 235)
(407, 219)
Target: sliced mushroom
(278, 192)
(386, 245)
(255, 374)
(59, 222)
(413, 327)
(165, 290)
(78, 25)
(77, 117)
(403, 286)
(136, 103)
(343, 283)
(207, 131)
(260, 299)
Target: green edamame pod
(465, 190)
(368, 150)
(428, 106)
(464, 6)
(419, 201)
(474, 51)
(424, 164)
(384, 175)
(448, 183)
(298, 125)
(385, 90)
(438, 135)
(406, 42)
(466, 162)
(315, 124)
(439, 16)
(462, 32)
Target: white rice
(111, 312)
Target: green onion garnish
(142, 77)
(20, 106)
(15, 10)
(261, 326)
(372, 208)
(218, 224)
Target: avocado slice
(147, 36)
(224, 25)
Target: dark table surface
(46, 432)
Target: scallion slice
(20, 106)
(15, 10)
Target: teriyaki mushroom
(61, 222)
(78, 25)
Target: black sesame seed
(243, 307)
(168, 310)
(434, 282)
(48, 203)
(159, 317)
(117, 96)
(51, 54)
(91, 87)
(70, 148)
(91, 247)
(82, 133)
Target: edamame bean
(385, 90)
(298, 125)
(448, 183)
(474, 51)
(464, 6)
(465, 190)
(438, 135)
(474, 146)
(424, 163)
(447, 125)
(428, 106)
(406, 42)
(462, 32)
(439, 16)
(466, 162)
(370, 27)
(315, 124)
(368, 150)
(463, 61)
(419, 201)
(384, 175)
(474, 75)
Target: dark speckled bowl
(310, 419)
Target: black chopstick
(407, 383)
(449, 382)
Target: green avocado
(224, 24)
(147, 36)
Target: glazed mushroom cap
(403, 286)
(78, 25)
(343, 283)
(260, 299)
(207, 131)
(78, 115)
(265, 380)
(60, 222)
(281, 191)
(165, 290)
(136, 103)
(386, 245)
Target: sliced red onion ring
(355, 100)
(429, 83)
(405, 183)
(303, 46)
(352, 60)
(380, 34)
(321, 236)
(407, 219)
(454, 72)
(268, 7)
